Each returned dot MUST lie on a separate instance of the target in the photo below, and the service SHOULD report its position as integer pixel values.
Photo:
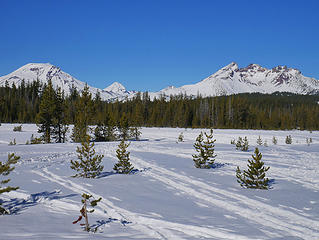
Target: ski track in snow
(154, 228)
(264, 214)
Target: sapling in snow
(205, 156)
(89, 164)
(123, 166)
(84, 210)
(5, 169)
(254, 176)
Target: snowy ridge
(253, 78)
(228, 80)
(45, 71)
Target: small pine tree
(288, 139)
(239, 143)
(89, 165)
(180, 137)
(245, 146)
(274, 140)
(135, 133)
(233, 141)
(17, 128)
(123, 166)
(5, 169)
(84, 210)
(259, 140)
(205, 149)
(124, 127)
(254, 177)
(13, 142)
(98, 133)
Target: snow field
(167, 198)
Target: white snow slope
(167, 197)
(226, 81)
(253, 78)
(45, 71)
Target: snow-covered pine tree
(205, 149)
(84, 210)
(254, 177)
(89, 164)
(259, 140)
(245, 145)
(5, 169)
(123, 166)
(239, 143)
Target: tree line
(241, 111)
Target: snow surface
(167, 197)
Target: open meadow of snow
(166, 197)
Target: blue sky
(148, 45)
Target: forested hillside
(244, 111)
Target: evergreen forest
(21, 104)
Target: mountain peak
(115, 87)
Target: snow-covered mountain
(44, 71)
(226, 81)
(253, 78)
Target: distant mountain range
(226, 81)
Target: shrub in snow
(180, 137)
(239, 143)
(245, 146)
(123, 166)
(259, 140)
(13, 142)
(84, 210)
(135, 133)
(89, 164)
(233, 141)
(17, 128)
(288, 139)
(254, 177)
(274, 140)
(205, 156)
(265, 143)
(5, 169)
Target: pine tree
(135, 133)
(239, 143)
(180, 137)
(84, 115)
(60, 127)
(205, 149)
(124, 127)
(259, 140)
(84, 210)
(245, 146)
(254, 177)
(109, 129)
(89, 164)
(274, 140)
(5, 169)
(288, 139)
(123, 166)
(47, 111)
(98, 133)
